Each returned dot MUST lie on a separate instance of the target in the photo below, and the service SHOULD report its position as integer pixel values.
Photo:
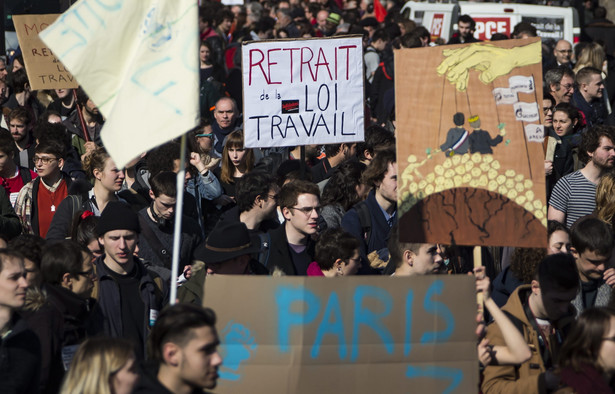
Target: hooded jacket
(527, 377)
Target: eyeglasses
(612, 339)
(564, 50)
(567, 87)
(308, 210)
(45, 160)
(86, 273)
(547, 109)
(209, 135)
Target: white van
(441, 19)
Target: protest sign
(45, 71)
(345, 335)
(467, 122)
(301, 92)
(138, 61)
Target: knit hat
(334, 18)
(117, 216)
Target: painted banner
(138, 61)
(345, 335)
(302, 92)
(490, 189)
(45, 71)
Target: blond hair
(592, 55)
(605, 198)
(95, 363)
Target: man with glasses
(291, 246)
(563, 53)
(38, 200)
(560, 83)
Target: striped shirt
(574, 195)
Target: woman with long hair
(208, 70)
(605, 198)
(102, 365)
(587, 357)
(107, 179)
(236, 162)
(342, 192)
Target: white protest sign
(526, 112)
(504, 96)
(521, 84)
(301, 92)
(535, 133)
(138, 61)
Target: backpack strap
(25, 174)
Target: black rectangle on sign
(290, 106)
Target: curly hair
(590, 140)
(95, 160)
(342, 185)
(524, 261)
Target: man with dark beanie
(129, 296)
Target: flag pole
(179, 203)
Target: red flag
(379, 11)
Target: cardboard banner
(302, 92)
(352, 334)
(490, 190)
(45, 71)
(138, 61)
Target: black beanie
(117, 216)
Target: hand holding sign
(491, 61)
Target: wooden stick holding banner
(478, 262)
(86, 135)
(179, 203)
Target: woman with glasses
(587, 357)
(107, 179)
(337, 254)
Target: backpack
(25, 174)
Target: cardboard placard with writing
(301, 92)
(45, 71)
(345, 335)
(469, 144)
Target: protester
(102, 365)
(92, 124)
(12, 176)
(336, 154)
(236, 162)
(31, 249)
(574, 195)
(64, 104)
(20, 360)
(560, 83)
(129, 296)
(523, 263)
(337, 254)
(592, 246)
(586, 358)
(542, 312)
(225, 122)
(465, 33)
(566, 121)
(20, 125)
(184, 344)
(291, 248)
(343, 191)
(371, 220)
(107, 179)
(157, 222)
(589, 96)
(10, 225)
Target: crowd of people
(85, 246)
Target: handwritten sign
(45, 71)
(138, 61)
(535, 133)
(526, 112)
(355, 335)
(303, 92)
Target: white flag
(138, 61)
(504, 96)
(526, 112)
(535, 132)
(522, 84)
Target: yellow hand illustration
(491, 61)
